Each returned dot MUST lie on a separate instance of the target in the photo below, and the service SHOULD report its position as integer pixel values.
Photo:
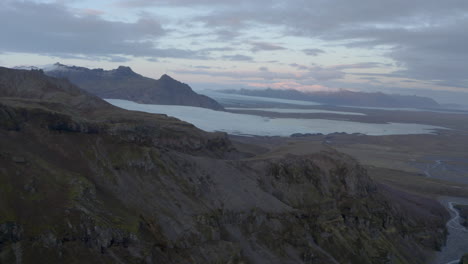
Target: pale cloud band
(417, 42)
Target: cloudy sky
(399, 46)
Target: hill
(85, 182)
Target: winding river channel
(457, 240)
(445, 168)
(454, 170)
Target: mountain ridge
(97, 184)
(344, 97)
(123, 83)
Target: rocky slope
(84, 182)
(123, 83)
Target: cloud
(291, 85)
(315, 74)
(202, 67)
(427, 38)
(321, 73)
(109, 58)
(243, 75)
(118, 58)
(364, 65)
(237, 57)
(91, 12)
(298, 66)
(149, 3)
(263, 46)
(207, 52)
(313, 52)
(53, 29)
(324, 74)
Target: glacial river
(457, 240)
(454, 170)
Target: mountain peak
(123, 83)
(125, 70)
(166, 77)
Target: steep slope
(123, 83)
(90, 183)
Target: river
(457, 240)
(454, 170)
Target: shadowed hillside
(123, 83)
(85, 182)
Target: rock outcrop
(86, 182)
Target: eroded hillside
(84, 182)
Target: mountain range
(124, 83)
(82, 181)
(345, 98)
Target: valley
(233, 132)
(133, 186)
(431, 164)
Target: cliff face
(101, 185)
(123, 83)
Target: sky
(407, 47)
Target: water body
(243, 124)
(457, 240)
(443, 111)
(295, 111)
(246, 100)
(444, 168)
(450, 169)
